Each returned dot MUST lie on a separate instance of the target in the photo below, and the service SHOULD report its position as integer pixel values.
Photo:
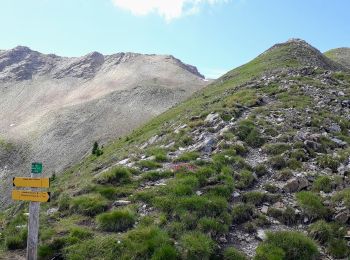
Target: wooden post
(33, 226)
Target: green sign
(37, 167)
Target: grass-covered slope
(340, 55)
(254, 166)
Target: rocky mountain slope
(53, 108)
(340, 55)
(254, 166)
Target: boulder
(296, 184)
(119, 203)
(212, 118)
(343, 216)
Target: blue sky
(214, 35)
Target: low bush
(156, 175)
(260, 170)
(321, 231)
(271, 188)
(159, 154)
(212, 226)
(286, 216)
(16, 240)
(115, 176)
(232, 253)
(165, 252)
(240, 149)
(284, 175)
(343, 196)
(278, 162)
(145, 242)
(299, 155)
(242, 213)
(244, 180)
(338, 248)
(269, 252)
(322, 183)
(116, 221)
(195, 245)
(254, 197)
(327, 161)
(248, 133)
(187, 157)
(89, 205)
(287, 245)
(149, 164)
(105, 247)
(311, 204)
(276, 148)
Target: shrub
(149, 164)
(287, 216)
(269, 252)
(343, 196)
(271, 188)
(165, 252)
(278, 162)
(156, 175)
(338, 248)
(212, 226)
(322, 183)
(96, 149)
(276, 148)
(287, 245)
(240, 149)
(89, 205)
(97, 248)
(144, 242)
(117, 220)
(195, 245)
(284, 175)
(202, 206)
(16, 240)
(115, 176)
(254, 197)
(242, 213)
(299, 155)
(321, 231)
(311, 203)
(159, 154)
(245, 179)
(327, 161)
(188, 156)
(63, 202)
(294, 164)
(232, 253)
(260, 170)
(247, 132)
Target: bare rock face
(53, 108)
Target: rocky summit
(254, 166)
(54, 108)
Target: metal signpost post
(35, 197)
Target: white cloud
(168, 9)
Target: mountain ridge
(253, 166)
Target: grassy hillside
(340, 55)
(255, 165)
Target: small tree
(96, 149)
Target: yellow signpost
(37, 196)
(31, 182)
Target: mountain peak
(297, 52)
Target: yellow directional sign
(31, 195)
(31, 182)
